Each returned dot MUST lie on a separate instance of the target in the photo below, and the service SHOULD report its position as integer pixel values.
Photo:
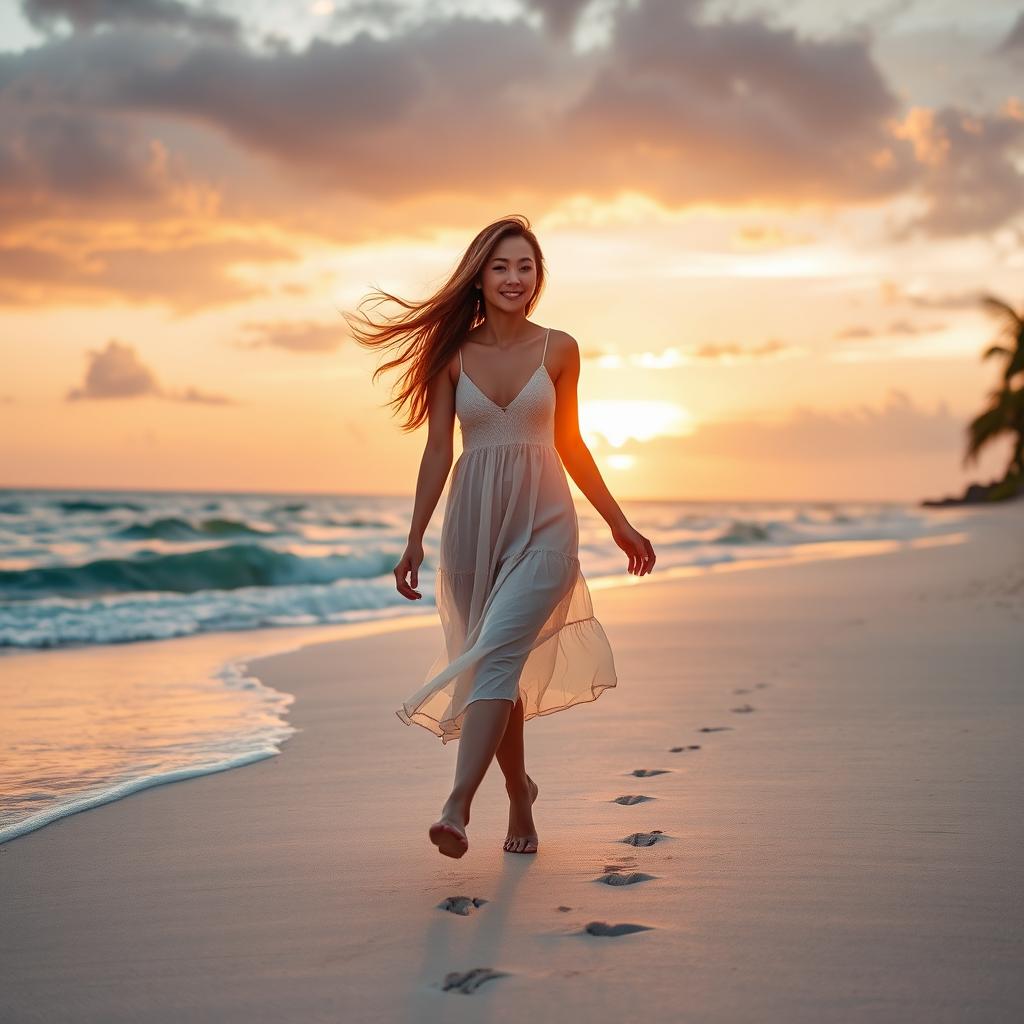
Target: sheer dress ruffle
(516, 613)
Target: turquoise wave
(227, 567)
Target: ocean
(96, 585)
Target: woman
(520, 636)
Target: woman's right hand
(409, 566)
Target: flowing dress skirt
(515, 609)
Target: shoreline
(235, 667)
(840, 851)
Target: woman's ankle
(456, 809)
(518, 785)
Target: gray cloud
(738, 109)
(80, 158)
(337, 113)
(135, 121)
(969, 175)
(86, 15)
(388, 16)
(1013, 41)
(560, 16)
(684, 109)
(117, 372)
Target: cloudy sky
(767, 225)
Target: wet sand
(798, 804)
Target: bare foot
(449, 837)
(522, 836)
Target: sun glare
(622, 420)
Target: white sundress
(515, 610)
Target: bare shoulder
(455, 363)
(563, 354)
(455, 367)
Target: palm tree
(1005, 411)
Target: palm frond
(997, 350)
(1005, 410)
(986, 426)
(1000, 308)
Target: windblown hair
(432, 330)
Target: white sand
(848, 851)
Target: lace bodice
(528, 419)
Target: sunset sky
(767, 225)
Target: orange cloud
(186, 278)
(896, 327)
(295, 337)
(730, 352)
(893, 293)
(811, 434)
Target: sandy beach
(832, 811)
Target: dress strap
(545, 352)
(460, 359)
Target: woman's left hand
(637, 546)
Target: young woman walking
(520, 636)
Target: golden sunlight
(622, 420)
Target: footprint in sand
(603, 928)
(714, 728)
(631, 799)
(617, 878)
(743, 709)
(644, 838)
(467, 982)
(461, 904)
(564, 910)
(741, 691)
(761, 686)
(643, 773)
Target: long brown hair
(431, 331)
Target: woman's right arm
(433, 473)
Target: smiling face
(509, 277)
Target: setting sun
(622, 420)
(629, 391)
